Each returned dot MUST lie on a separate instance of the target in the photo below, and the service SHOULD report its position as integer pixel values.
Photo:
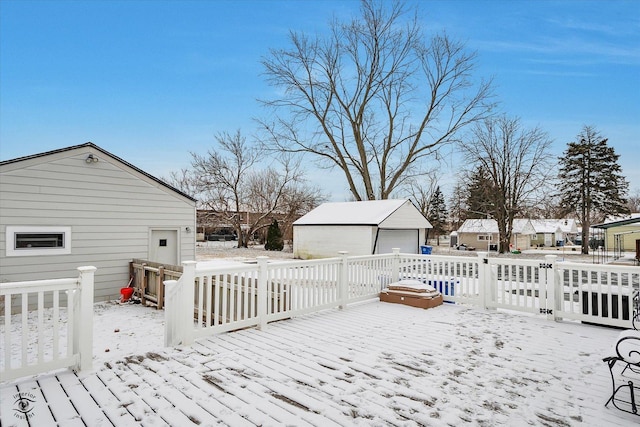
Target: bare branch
(373, 99)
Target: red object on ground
(126, 294)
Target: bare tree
(373, 98)
(457, 206)
(182, 180)
(221, 175)
(633, 201)
(280, 193)
(238, 193)
(421, 190)
(298, 200)
(517, 164)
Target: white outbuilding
(82, 205)
(360, 228)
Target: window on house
(28, 241)
(484, 237)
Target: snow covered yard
(371, 364)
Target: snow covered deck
(371, 364)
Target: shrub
(274, 238)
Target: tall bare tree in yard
(516, 162)
(591, 183)
(375, 98)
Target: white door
(406, 240)
(163, 247)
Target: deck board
(62, 407)
(375, 363)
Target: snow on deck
(371, 364)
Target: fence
(148, 280)
(227, 298)
(57, 334)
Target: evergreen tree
(479, 194)
(457, 204)
(274, 237)
(591, 183)
(437, 213)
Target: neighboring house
(82, 205)
(621, 235)
(553, 232)
(483, 234)
(361, 228)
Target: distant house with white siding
(552, 232)
(361, 228)
(82, 205)
(483, 234)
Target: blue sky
(152, 81)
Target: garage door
(406, 240)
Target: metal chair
(635, 320)
(626, 396)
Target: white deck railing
(58, 333)
(228, 298)
(596, 293)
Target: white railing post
(343, 280)
(83, 331)
(484, 279)
(187, 291)
(171, 305)
(395, 265)
(262, 292)
(179, 299)
(552, 300)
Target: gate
(522, 285)
(600, 294)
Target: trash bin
(425, 250)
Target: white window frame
(10, 238)
(484, 237)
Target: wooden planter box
(412, 297)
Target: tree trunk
(585, 237)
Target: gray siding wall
(109, 207)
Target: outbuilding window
(29, 241)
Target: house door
(163, 246)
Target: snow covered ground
(371, 364)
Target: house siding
(323, 241)
(405, 217)
(629, 240)
(109, 206)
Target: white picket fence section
(56, 333)
(601, 294)
(218, 299)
